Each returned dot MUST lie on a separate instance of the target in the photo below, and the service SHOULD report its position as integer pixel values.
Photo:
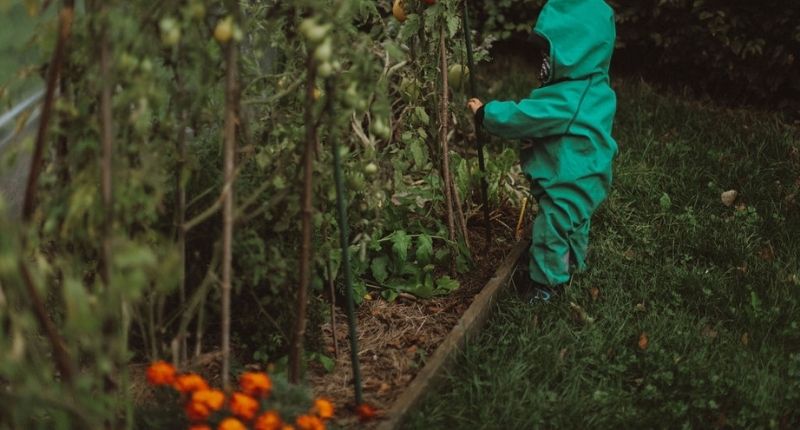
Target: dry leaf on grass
(728, 197)
(644, 342)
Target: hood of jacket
(581, 35)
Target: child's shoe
(530, 291)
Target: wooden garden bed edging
(468, 325)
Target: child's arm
(546, 112)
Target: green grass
(715, 288)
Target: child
(565, 126)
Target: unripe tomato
(324, 51)
(371, 169)
(380, 129)
(457, 74)
(312, 31)
(170, 31)
(399, 10)
(223, 32)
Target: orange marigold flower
(255, 384)
(270, 420)
(199, 427)
(212, 399)
(244, 406)
(231, 424)
(189, 383)
(309, 422)
(161, 373)
(366, 412)
(196, 411)
(287, 427)
(323, 408)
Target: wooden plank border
(468, 325)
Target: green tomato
(371, 169)
(456, 75)
(380, 129)
(197, 10)
(313, 31)
(325, 70)
(324, 51)
(171, 37)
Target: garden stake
(229, 164)
(344, 240)
(478, 141)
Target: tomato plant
(147, 95)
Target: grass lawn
(696, 304)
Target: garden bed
(399, 340)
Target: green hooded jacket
(569, 119)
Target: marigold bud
(244, 406)
(196, 411)
(270, 420)
(255, 384)
(189, 383)
(231, 424)
(161, 373)
(309, 422)
(212, 399)
(323, 408)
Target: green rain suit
(569, 121)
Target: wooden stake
(231, 115)
(299, 333)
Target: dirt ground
(395, 338)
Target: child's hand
(474, 105)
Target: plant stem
(298, 335)
(231, 87)
(64, 28)
(344, 242)
(60, 355)
(107, 143)
(443, 129)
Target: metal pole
(344, 241)
(478, 139)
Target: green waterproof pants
(560, 239)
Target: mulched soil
(394, 338)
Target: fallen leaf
(640, 307)
(563, 354)
(745, 339)
(629, 254)
(579, 314)
(644, 342)
(709, 333)
(595, 292)
(728, 197)
(767, 253)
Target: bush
(739, 49)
